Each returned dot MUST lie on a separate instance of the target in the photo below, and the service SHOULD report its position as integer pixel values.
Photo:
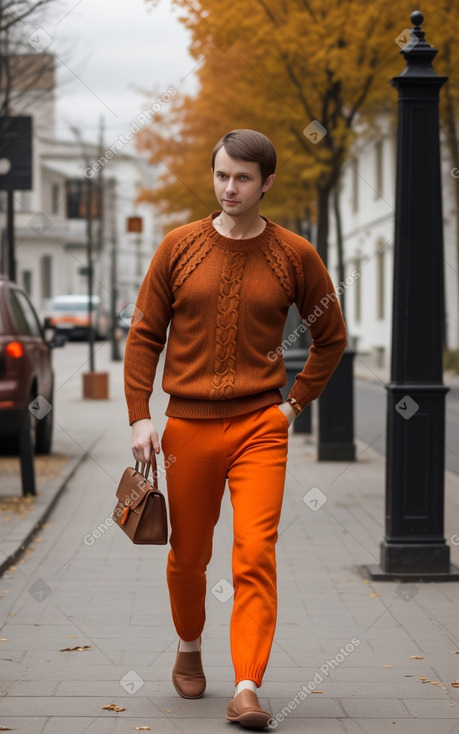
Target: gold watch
(295, 405)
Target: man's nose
(230, 186)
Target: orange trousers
(250, 451)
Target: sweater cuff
(137, 411)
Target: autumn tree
(303, 72)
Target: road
(370, 419)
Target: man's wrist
(289, 412)
(294, 404)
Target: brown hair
(249, 145)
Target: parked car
(26, 374)
(69, 315)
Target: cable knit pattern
(224, 355)
(187, 256)
(227, 318)
(295, 260)
(277, 265)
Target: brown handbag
(141, 508)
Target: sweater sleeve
(147, 334)
(320, 312)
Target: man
(224, 285)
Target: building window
(76, 193)
(379, 150)
(380, 282)
(357, 293)
(355, 185)
(27, 281)
(55, 191)
(45, 276)
(24, 200)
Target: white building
(51, 230)
(368, 211)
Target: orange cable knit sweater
(226, 301)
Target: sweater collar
(251, 243)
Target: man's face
(237, 184)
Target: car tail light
(14, 349)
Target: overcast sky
(108, 50)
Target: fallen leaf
(72, 649)
(416, 657)
(168, 711)
(71, 637)
(12, 568)
(6, 728)
(421, 677)
(316, 691)
(436, 682)
(374, 594)
(3, 639)
(37, 540)
(367, 582)
(142, 728)
(389, 666)
(114, 707)
(408, 676)
(455, 684)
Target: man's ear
(268, 183)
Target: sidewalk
(366, 368)
(349, 656)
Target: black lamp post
(414, 546)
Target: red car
(26, 374)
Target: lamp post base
(414, 557)
(412, 562)
(376, 573)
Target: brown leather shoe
(188, 676)
(246, 711)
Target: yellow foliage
(276, 66)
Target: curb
(36, 519)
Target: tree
(21, 70)
(304, 72)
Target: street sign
(15, 153)
(134, 224)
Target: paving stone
(27, 724)
(442, 709)
(403, 726)
(374, 707)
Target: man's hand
(144, 437)
(288, 411)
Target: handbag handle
(145, 469)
